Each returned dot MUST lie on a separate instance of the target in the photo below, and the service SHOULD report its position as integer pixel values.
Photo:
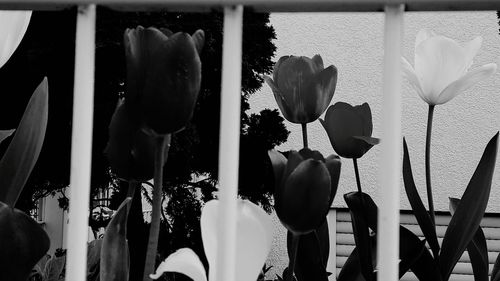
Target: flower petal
(466, 81)
(423, 35)
(278, 161)
(326, 82)
(318, 62)
(410, 74)
(199, 39)
(438, 62)
(471, 48)
(277, 67)
(280, 100)
(183, 261)
(333, 164)
(254, 237)
(13, 25)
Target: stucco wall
(354, 43)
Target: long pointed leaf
(495, 276)
(22, 244)
(477, 249)
(425, 268)
(23, 151)
(410, 249)
(115, 253)
(351, 271)
(360, 226)
(470, 211)
(422, 216)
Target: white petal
(438, 62)
(209, 234)
(183, 261)
(253, 234)
(467, 81)
(13, 25)
(254, 239)
(423, 35)
(410, 74)
(471, 48)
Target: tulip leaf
(22, 153)
(312, 254)
(115, 252)
(351, 270)
(470, 211)
(495, 276)
(22, 244)
(410, 249)
(5, 134)
(477, 249)
(356, 202)
(425, 267)
(422, 216)
(369, 140)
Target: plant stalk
(304, 134)
(356, 171)
(293, 257)
(428, 164)
(161, 149)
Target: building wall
(354, 43)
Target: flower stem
(132, 186)
(162, 144)
(304, 134)
(356, 171)
(293, 257)
(428, 163)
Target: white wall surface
(353, 42)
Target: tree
(48, 50)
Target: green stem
(304, 134)
(356, 171)
(428, 163)
(162, 143)
(293, 257)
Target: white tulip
(13, 25)
(442, 67)
(254, 234)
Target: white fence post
(229, 143)
(81, 144)
(390, 162)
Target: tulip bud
(306, 184)
(302, 87)
(130, 151)
(349, 129)
(163, 76)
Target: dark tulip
(302, 87)
(163, 76)
(349, 129)
(130, 151)
(306, 184)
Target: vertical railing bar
(81, 144)
(390, 163)
(229, 142)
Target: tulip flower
(163, 76)
(13, 25)
(305, 185)
(349, 129)
(130, 151)
(442, 67)
(302, 87)
(254, 235)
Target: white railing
(390, 167)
